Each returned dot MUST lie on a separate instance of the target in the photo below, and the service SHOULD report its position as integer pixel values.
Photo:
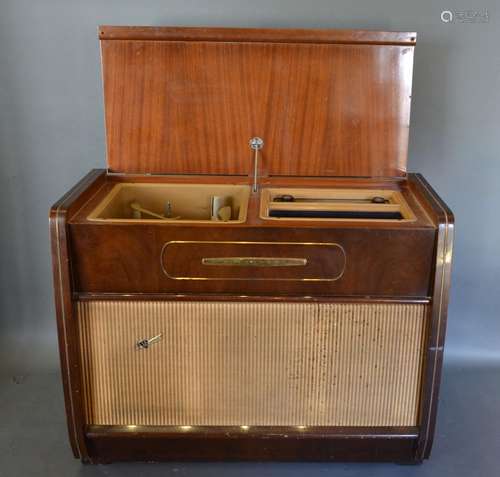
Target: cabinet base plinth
(106, 444)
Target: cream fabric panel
(252, 363)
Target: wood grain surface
(322, 109)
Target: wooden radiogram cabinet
(255, 275)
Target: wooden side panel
(254, 364)
(438, 314)
(66, 329)
(190, 107)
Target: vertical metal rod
(255, 169)
(256, 143)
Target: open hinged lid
(325, 102)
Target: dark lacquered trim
(156, 447)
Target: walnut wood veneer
(271, 339)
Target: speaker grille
(252, 363)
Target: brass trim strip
(370, 432)
(254, 298)
(318, 244)
(255, 261)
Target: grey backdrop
(52, 133)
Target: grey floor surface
(33, 438)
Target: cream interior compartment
(139, 202)
(334, 204)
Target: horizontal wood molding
(274, 35)
(242, 298)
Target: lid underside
(325, 102)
